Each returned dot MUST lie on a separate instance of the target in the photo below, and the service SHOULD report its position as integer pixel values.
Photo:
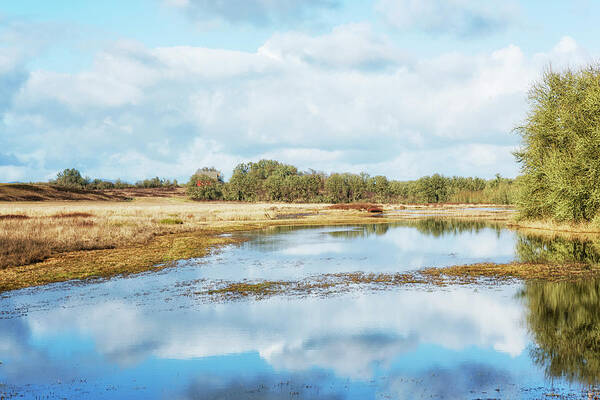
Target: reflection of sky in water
(347, 346)
(142, 337)
(298, 253)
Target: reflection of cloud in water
(314, 249)
(120, 331)
(297, 334)
(21, 360)
(486, 245)
(340, 353)
(465, 380)
(483, 244)
(262, 387)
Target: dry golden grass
(370, 207)
(457, 211)
(33, 232)
(552, 227)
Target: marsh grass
(171, 221)
(511, 271)
(328, 284)
(324, 284)
(73, 215)
(33, 232)
(561, 227)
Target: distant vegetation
(269, 180)
(72, 178)
(560, 158)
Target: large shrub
(204, 187)
(560, 154)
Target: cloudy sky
(405, 88)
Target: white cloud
(347, 334)
(347, 46)
(166, 111)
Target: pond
(149, 336)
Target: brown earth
(46, 192)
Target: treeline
(269, 180)
(72, 178)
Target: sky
(403, 88)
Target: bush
(204, 187)
(560, 154)
(171, 221)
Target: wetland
(351, 311)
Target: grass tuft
(171, 221)
(73, 215)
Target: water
(149, 336)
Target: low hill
(46, 192)
(135, 192)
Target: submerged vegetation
(327, 284)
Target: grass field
(34, 231)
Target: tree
(337, 188)
(70, 177)
(204, 187)
(560, 154)
(433, 189)
(381, 187)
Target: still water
(149, 336)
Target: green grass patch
(171, 221)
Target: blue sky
(403, 88)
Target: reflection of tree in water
(440, 227)
(557, 250)
(564, 321)
(361, 231)
(429, 226)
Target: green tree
(337, 188)
(204, 187)
(433, 189)
(560, 154)
(380, 187)
(71, 178)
